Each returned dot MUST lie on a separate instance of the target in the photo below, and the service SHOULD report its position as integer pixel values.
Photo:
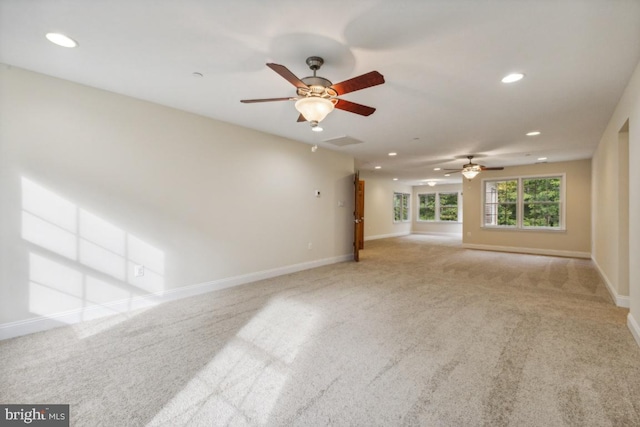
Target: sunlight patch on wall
(53, 288)
(242, 384)
(49, 236)
(82, 265)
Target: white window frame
(437, 207)
(407, 197)
(520, 203)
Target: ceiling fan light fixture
(314, 108)
(470, 172)
(316, 127)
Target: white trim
(533, 251)
(386, 236)
(42, 323)
(619, 300)
(634, 327)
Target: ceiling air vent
(343, 141)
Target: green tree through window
(438, 207)
(427, 209)
(541, 198)
(501, 203)
(401, 207)
(448, 206)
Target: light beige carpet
(421, 332)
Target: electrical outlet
(138, 270)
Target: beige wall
(610, 212)
(574, 241)
(378, 206)
(434, 227)
(94, 183)
(609, 176)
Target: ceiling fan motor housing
(317, 86)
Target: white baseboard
(42, 323)
(386, 236)
(634, 327)
(533, 251)
(620, 300)
(439, 233)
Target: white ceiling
(442, 62)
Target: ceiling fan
(470, 170)
(317, 96)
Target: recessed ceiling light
(61, 40)
(542, 158)
(437, 169)
(395, 179)
(534, 133)
(431, 183)
(378, 167)
(447, 174)
(393, 154)
(513, 77)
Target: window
(524, 203)
(401, 207)
(541, 197)
(427, 208)
(500, 203)
(448, 206)
(438, 207)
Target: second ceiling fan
(318, 96)
(470, 170)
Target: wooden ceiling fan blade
(491, 169)
(288, 75)
(455, 170)
(364, 81)
(352, 107)
(250, 101)
(301, 118)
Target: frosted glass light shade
(471, 172)
(314, 108)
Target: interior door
(358, 217)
